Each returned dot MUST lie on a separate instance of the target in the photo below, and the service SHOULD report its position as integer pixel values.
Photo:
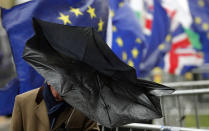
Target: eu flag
(199, 10)
(127, 40)
(18, 23)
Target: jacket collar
(39, 96)
(41, 110)
(42, 115)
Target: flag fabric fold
(199, 10)
(158, 43)
(18, 23)
(182, 57)
(128, 41)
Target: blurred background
(166, 41)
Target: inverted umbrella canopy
(78, 63)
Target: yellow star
(114, 28)
(76, 11)
(119, 41)
(64, 18)
(124, 56)
(205, 26)
(91, 12)
(135, 52)
(168, 38)
(161, 46)
(197, 20)
(157, 74)
(138, 40)
(131, 63)
(100, 25)
(121, 4)
(201, 3)
(112, 13)
(157, 70)
(188, 76)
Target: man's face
(55, 94)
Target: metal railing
(194, 93)
(146, 127)
(188, 84)
(159, 127)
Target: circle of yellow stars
(203, 25)
(76, 11)
(134, 52)
(198, 20)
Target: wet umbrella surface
(78, 63)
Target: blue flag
(7, 96)
(200, 13)
(18, 23)
(158, 42)
(128, 40)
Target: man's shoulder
(28, 96)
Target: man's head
(55, 94)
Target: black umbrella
(78, 63)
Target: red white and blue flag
(182, 57)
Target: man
(81, 67)
(43, 109)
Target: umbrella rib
(41, 64)
(106, 106)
